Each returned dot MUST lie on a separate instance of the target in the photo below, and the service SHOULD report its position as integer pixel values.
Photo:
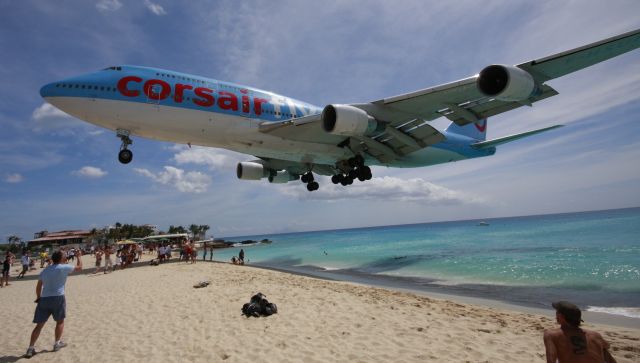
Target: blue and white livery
(293, 139)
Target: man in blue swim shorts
(50, 299)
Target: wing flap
(303, 129)
(485, 108)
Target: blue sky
(57, 172)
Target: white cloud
(47, 110)
(190, 182)
(155, 8)
(386, 189)
(47, 118)
(90, 172)
(13, 178)
(213, 158)
(108, 5)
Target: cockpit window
(113, 69)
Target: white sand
(153, 314)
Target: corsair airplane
(293, 140)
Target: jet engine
(281, 177)
(347, 120)
(250, 170)
(506, 83)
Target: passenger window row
(279, 113)
(84, 86)
(182, 78)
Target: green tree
(203, 229)
(194, 229)
(15, 243)
(175, 230)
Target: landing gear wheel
(359, 160)
(125, 156)
(313, 186)
(336, 179)
(364, 173)
(307, 177)
(368, 177)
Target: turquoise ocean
(590, 258)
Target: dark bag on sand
(259, 305)
(251, 309)
(270, 309)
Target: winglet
(506, 139)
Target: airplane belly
(196, 127)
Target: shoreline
(468, 294)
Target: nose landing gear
(125, 155)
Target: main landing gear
(358, 171)
(349, 170)
(307, 178)
(125, 155)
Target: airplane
(293, 139)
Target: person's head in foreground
(56, 257)
(567, 314)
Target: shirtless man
(98, 259)
(107, 259)
(572, 344)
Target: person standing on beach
(43, 258)
(25, 259)
(50, 299)
(204, 252)
(571, 344)
(98, 259)
(107, 259)
(241, 256)
(6, 266)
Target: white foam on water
(628, 312)
(328, 268)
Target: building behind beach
(73, 238)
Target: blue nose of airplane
(46, 90)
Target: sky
(60, 173)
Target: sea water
(591, 258)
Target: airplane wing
(462, 101)
(404, 117)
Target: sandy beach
(154, 314)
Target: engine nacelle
(250, 170)
(347, 121)
(281, 177)
(506, 83)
